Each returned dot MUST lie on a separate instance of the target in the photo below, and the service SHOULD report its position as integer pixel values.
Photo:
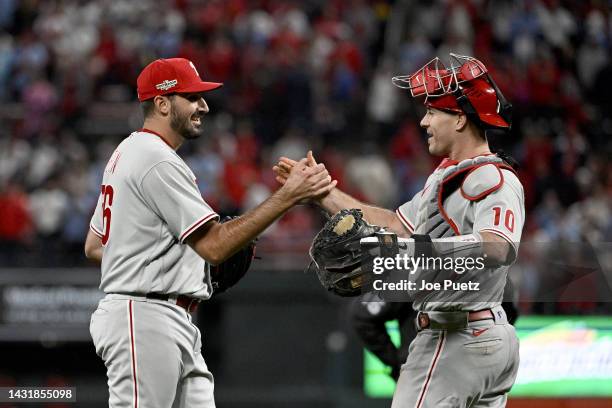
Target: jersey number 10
(107, 202)
(508, 218)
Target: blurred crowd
(299, 75)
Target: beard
(182, 125)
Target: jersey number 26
(107, 202)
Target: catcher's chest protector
(476, 178)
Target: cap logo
(164, 86)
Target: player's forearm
(337, 200)
(220, 241)
(495, 248)
(492, 248)
(237, 233)
(216, 242)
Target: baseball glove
(336, 253)
(227, 274)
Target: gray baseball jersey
(490, 199)
(148, 206)
(463, 363)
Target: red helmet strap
(505, 107)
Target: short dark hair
(148, 107)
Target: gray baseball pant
(151, 350)
(472, 366)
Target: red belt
(424, 321)
(188, 303)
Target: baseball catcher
(470, 208)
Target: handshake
(304, 180)
(343, 252)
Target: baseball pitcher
(157, 238)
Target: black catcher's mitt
(228, 273)
(336, 254)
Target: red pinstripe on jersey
(432, 367)
(95, 231)
(404, 221)
(133, 352)
(195, 225)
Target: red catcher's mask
(464, 87)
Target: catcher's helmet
(464, 87)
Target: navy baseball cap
(173, 75)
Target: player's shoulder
(488, 178)
(148, 150)
(145, 151)
(150, 143)
(511, 178)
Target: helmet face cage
(434, 79)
